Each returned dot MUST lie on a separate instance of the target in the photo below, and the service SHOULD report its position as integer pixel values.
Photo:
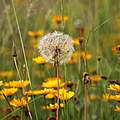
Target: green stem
(24, 54)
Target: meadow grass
(85, 78)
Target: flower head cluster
(53, 83)
(56, 46)
(7, 74)
(59, 19)
(20, 101)
(8, 91)
(116, 49)
(53, 106)
(114, 87)
(17, 84)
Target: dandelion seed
(56, 45)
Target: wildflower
(106, 97)
(35, 34)
(53, 107)
(58, 19)
(39, 92)
(39, 60)
(18, 84)
(95, 79)
(115, 97)
(86, 55)
(70, 83)
(54, 46)
(64, 95)
(20, 101)
(114, 87)
(117, 109)
(1, 83)
(77, 41)
(93, 97)
(50, 96)
(8, 91)
(53, 83)
(7, 74)
(2, 97)
(74, 58)
(116, 49)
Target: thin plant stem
(58, 101)
(21, 40)
(24, 54)
(20, 77)
(56, 64)
(28, 108)
(7, 101)
(85, 103)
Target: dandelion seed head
(56, 45)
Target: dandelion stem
(56, 63)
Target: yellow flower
(115, 97)
(116, 49)
(20, 101)
(117, 109)
(95, 79)
(18, 84)
(58, 19)
(53, 83)
(76, 56)
(70, 84)
(50, 96)
(2, 97)
(39, 60)
(77, 41)
(7, 74)
(86, 55)
(64, 95)
(111, 97)
(93, 97)
(1, 83)
(8, 91)
(53, 106)
(114, 87)
(36, 34)
(106, 97)
(39, 92)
